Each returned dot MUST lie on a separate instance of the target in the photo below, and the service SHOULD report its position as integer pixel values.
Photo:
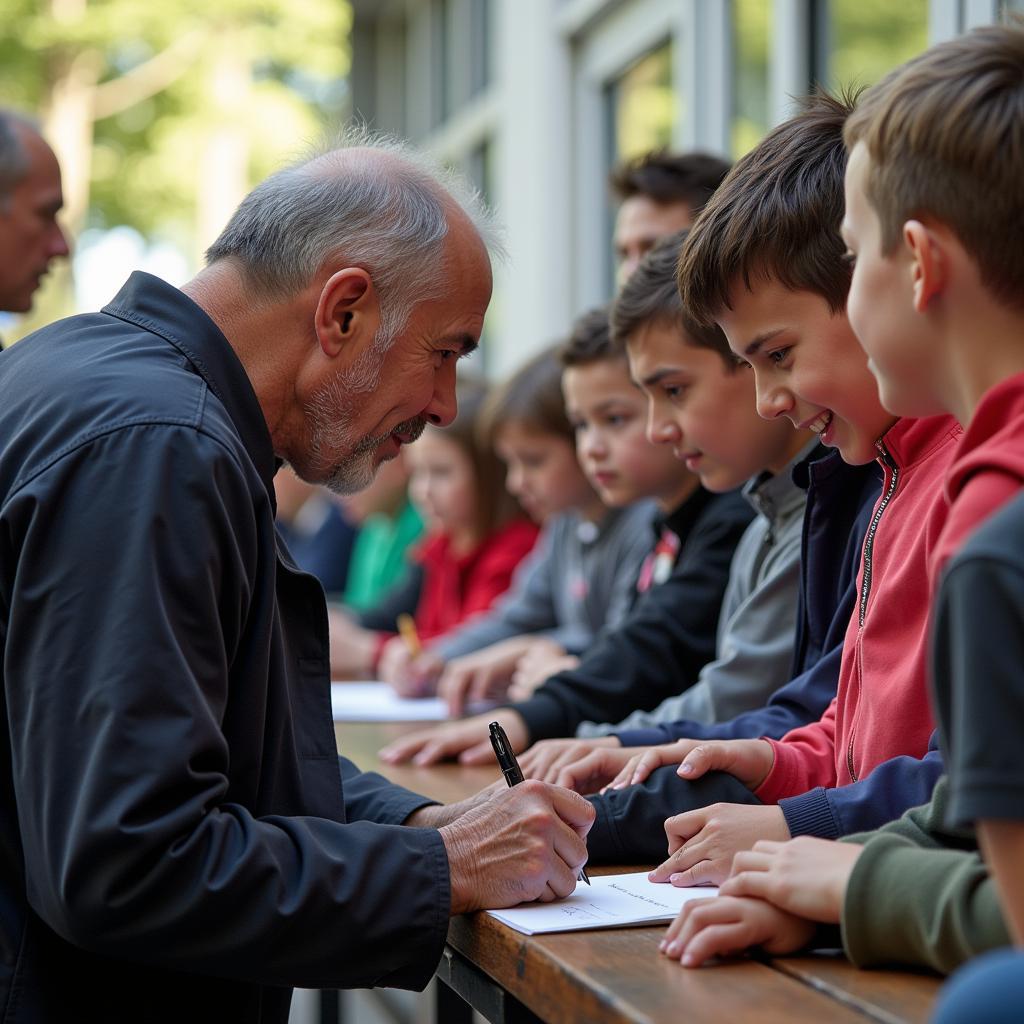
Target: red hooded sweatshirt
(881, 709)
(988, 467)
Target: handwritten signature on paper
(639, 896)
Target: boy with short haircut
(586, 565)
(767, 264)
(934, 200)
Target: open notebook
(610, 901)
(377, 702)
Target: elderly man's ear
(348, 312)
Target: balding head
(369, 202)
(30, 198)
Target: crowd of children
(846, 664)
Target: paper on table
(377, 702)
(610, 901)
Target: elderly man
(178, 840)
(30, 199)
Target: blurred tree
(163, 114)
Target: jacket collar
(162, 309)
(910, 440)
(683, 517)
(776, 495)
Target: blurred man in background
(659, 193)
(30, 199)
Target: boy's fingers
(478, 753)
(699, 761)
(403, 749)
(752, 860)
(748, 883)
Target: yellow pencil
(407, 629)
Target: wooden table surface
(615, 976)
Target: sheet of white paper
(610, 901)
(377, 702)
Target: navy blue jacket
(178, 840)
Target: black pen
(510, 767)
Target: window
(641, 106)
(860, 40)
(751, 46)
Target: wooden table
(615, 976)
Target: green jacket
(920, 894)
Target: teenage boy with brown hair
(934, 200)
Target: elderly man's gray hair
(14, 160)
(387, 215)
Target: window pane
(642, 106)
(867, 38)
(751, 46)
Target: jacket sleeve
(919, 896)
(528, 607)
(804, 758)
(117, 666)
(800, 701)
(756, 650)
(660, 648)
(892, 788)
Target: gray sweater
(579, 578)
(758, 621)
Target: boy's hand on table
(702, 843)
(729, 924)
(467, 741)
(645, 759)
(527, 842)
(804, 876)
(546, 759)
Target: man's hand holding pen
(527, 842)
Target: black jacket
(665, 640)
(178, 840)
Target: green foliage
(292, 54)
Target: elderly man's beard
(330, 413)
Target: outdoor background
(164, 112)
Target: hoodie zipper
(869, 546)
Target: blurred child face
(880, 306)
(442, 484)
(704, 411)
(608, 413)
(808, 366)
(542, 472)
